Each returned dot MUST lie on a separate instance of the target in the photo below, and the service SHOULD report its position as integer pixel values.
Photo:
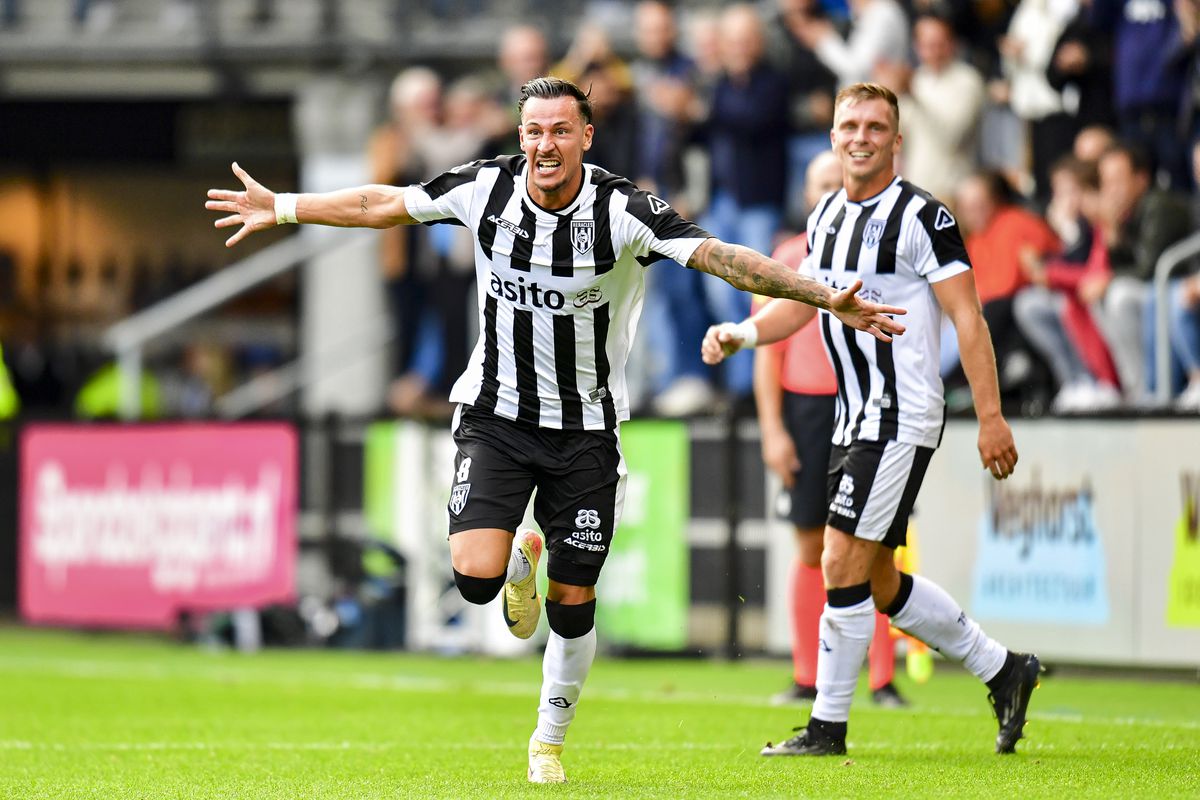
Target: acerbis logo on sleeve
(657, 205)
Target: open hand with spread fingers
(863, 315)
(253, 209)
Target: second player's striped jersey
(899, 243)
(560, 292)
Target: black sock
(1010, 663)
(830, 730)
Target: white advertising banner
(1090, 553)
(1072, 556)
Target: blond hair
(858, 92)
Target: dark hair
(547, 88)
(998, 188)
(939, 16)
(1084, 172)
(1139, 161)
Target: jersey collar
(566, 210)
(873, 199)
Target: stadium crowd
(1056, 131)
(1065, 136)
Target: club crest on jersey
(943, 220)
(657, 206)
(583, 234)
(458, 497)
(873, 232)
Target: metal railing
(1173, 257)
(287, 379)
(129, 337)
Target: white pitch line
(1026, 746)
(371, 681)
(18, 744)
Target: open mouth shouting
(548, 166)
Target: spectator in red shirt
(1053, 313)
(998, 232)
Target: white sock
(846, 633)
(931, 615)
(518, 566)
(565, 667)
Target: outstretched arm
(751, 271)
(958, 298)
(258, 208)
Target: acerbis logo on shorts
(843, 501)
(587, 518)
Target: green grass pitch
(115, 716)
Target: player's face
(865, 139)
(554, 138)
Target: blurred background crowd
(1064, 134)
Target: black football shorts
(579, 477)
(808, 419)
(872, 488)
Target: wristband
(285, 209)
(747, 331)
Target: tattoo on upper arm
(362, 203)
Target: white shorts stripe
(623, 472)
(887, 489)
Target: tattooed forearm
(362, 203)
(753, 272)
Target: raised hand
(863, 315)
(253, 209)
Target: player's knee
(479, 591)
(830, 565)
(571, 622)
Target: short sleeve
(655, 231)
(936, 244)
(446, 197)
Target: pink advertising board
(127, 526)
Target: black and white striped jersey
(560, 292)
(899, 242)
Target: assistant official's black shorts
(579, 477)
(872, 488)
(808, 419)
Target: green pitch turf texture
(116, 716)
